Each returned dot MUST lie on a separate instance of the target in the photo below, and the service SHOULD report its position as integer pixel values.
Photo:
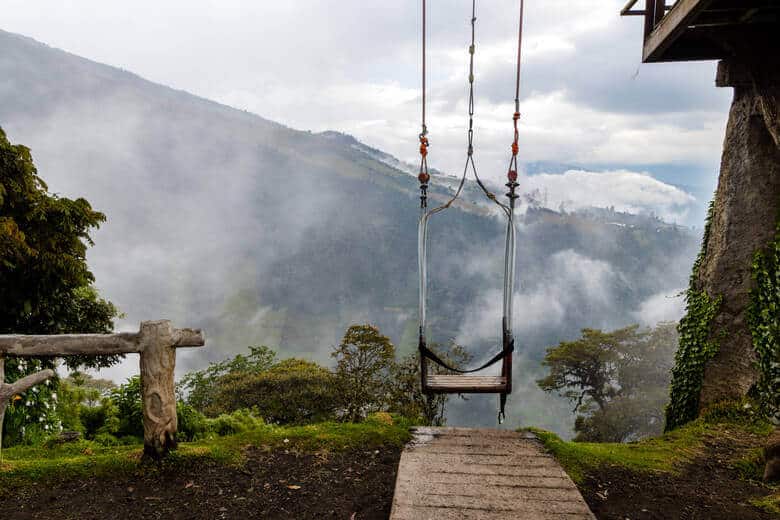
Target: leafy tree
(45, 284)
(618, 380)
(199, 389)
(364, 360)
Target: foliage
(45, 284)
(84, 405)
(127, 399)
(291, 391)
(404, 391)
(363, 364)
(31, 416)
(191, 424)
(617, 380)
(764, 320)
(236, 422)
(697, 346)
(199, 389)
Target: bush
(106, 439)
(130, 440)
(127, 399)
(192, 424)
(291, 391)
(102, 419)
(236, 422)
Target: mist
(265, 235)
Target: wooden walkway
(480, 474)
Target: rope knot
(516, 116)
(423, 145)
(515, 148)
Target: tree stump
(158, 361)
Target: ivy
(764, 321)
(696, 344)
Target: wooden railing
(653, 12)
(156, 342)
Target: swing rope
(425, 214)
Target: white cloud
(569, 278)
(625, 190)
(664, 306)
(351, 67)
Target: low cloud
(627, 191)
(664, 306)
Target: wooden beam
(90, 344)
(670, 27)
(70, 344)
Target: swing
(460, 381)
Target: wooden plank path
(481, 474)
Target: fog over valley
(266, 235)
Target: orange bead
(423, 178)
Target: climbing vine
(696, 344)
(764, 320)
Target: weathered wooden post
(158, 341)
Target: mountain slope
(264, 234)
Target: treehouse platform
(687, 30)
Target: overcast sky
(353, 66)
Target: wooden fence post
(158, 398)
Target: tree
(45, 284)
(364, 360)
(618, 380)
(199, 389)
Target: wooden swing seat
(467, 384)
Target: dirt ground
(709, 488)
(356, 485)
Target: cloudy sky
(587, 103)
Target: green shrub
(130, 440)
(106, 439)
(236, 422)
(127, 398)
(100, 419)
(291, 391)
(192, 424)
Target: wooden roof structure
(686, 30)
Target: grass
(667, 452)
(657, 454)
(769, 503)
(27, 465)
